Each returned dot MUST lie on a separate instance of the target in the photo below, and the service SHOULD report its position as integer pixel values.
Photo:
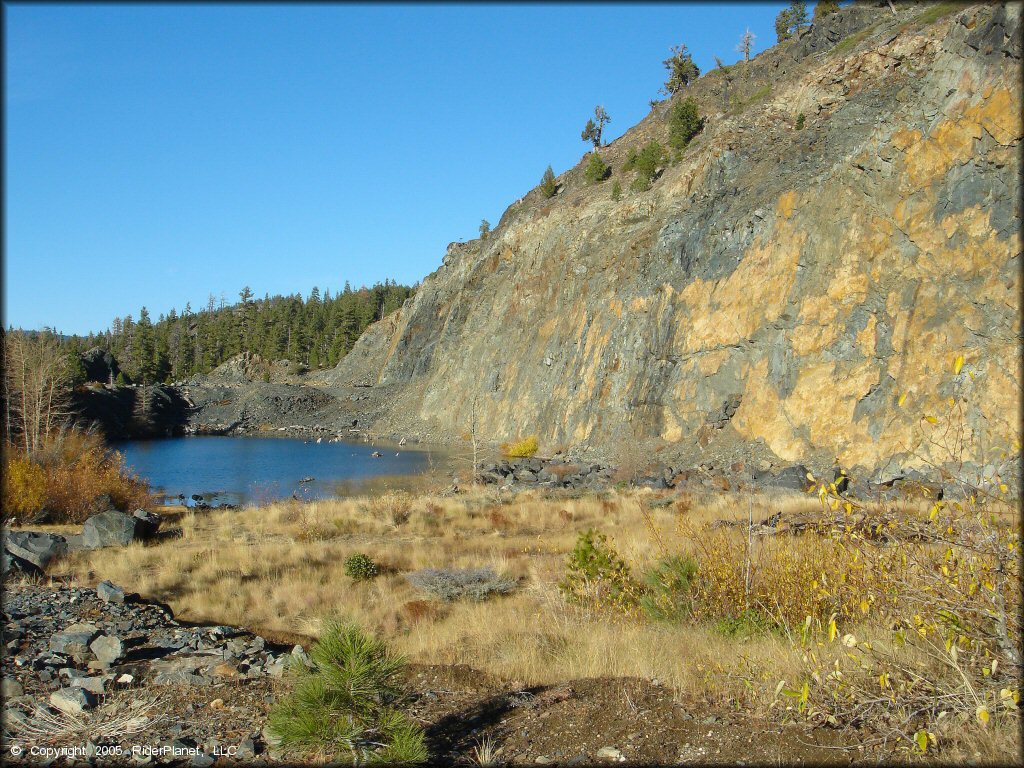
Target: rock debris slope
(779, 286)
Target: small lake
(244, 470)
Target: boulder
(793, 478)
(149, 523)
(110, 593)
(15, 564)
(525, 476)
(107, 648)
(94, 685)
(181, 670)
(610, 754)
(111, 529)
(72, 700)
(246, 749)
(10, 689)
(36, 548)
(74, 640)
(99, 365)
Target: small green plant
(485, 753)
(668, 589)
(640, 184)
(345, 705)
(849, 42)
(616, 190)
(360, 567)
(596, 574)
(823, 8)
(932, 14)
(800, 121)
(597, 170)
(485, 228)
(646, 163)
(746, 624)
(684, 123)
(548, 185)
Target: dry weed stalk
(43, 722)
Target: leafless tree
(746, 43)
(37, 388)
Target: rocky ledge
(738, 476)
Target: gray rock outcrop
(116, 529)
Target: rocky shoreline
(580, 476)
(724, 462)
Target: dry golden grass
(280, 569)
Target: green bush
(616, 190)
(668, 589)
(684, 123)
(640, 184)
(646, 163)
(597, 170)
(548, 186)
(485, 229)
(360, 567)
(800, 121)
(596, 575)
(344, 707)
(746, 624)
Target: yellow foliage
(521, 449)
(24, 486)
(68, 477)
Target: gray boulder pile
(88, 656)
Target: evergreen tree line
(312, 332)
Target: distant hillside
(313, 332)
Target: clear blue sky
(157, 154)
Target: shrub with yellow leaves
(70, 475)
(521, 449)
(24, 486)
(947, 592)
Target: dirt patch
(466, 713)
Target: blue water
(241, 470)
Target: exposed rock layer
(808, 290)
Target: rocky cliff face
(806, 291)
